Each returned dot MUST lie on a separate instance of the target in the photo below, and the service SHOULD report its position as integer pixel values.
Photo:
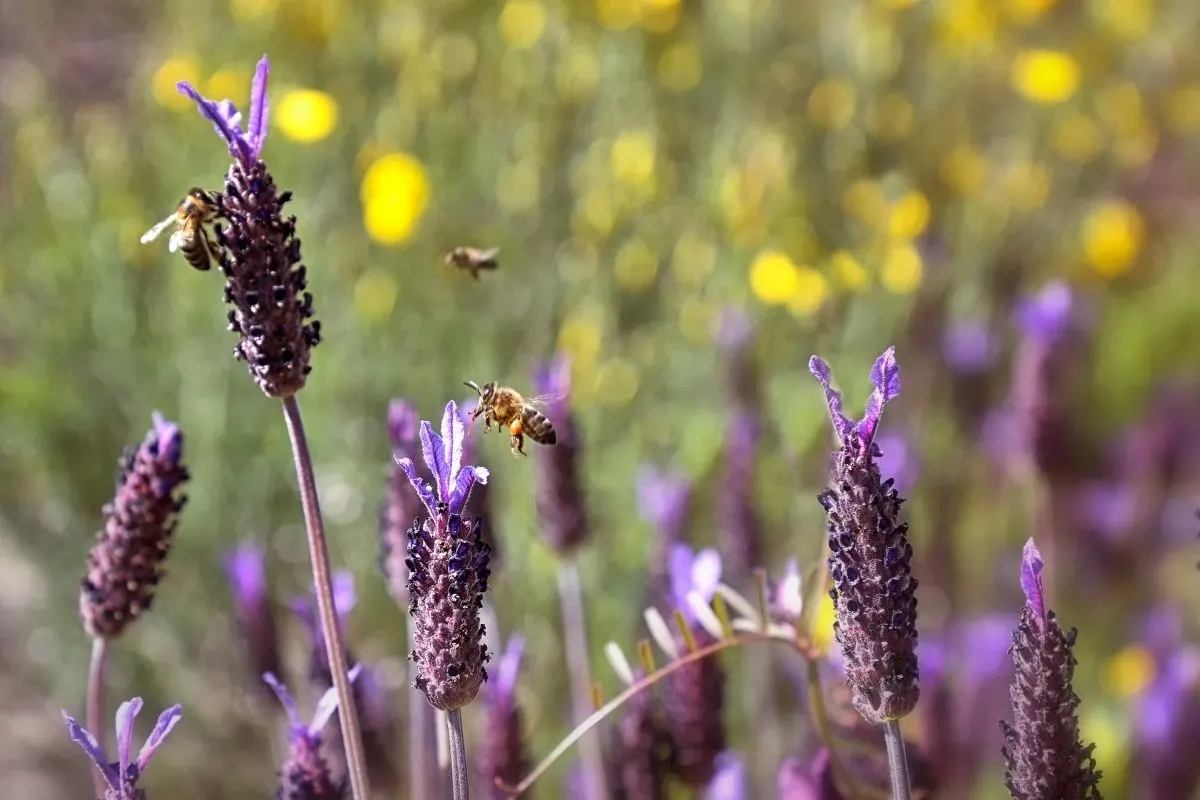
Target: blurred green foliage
(641, 164)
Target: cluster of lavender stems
(437, 560)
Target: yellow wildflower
(909, 217)
(831, 104)
(632, 158)
(774, 279)
(522, 23)
(1112, 237)
(618, 15)
(306, 115)
(812, 289)
(1046, 76)
(395, 192)
(902, 270)
(1129, 671)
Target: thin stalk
(97, 671)
(318, 552)
(897, 761)
(570, 595)
(458, 756)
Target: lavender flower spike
(873, 590)
(503, 756)
(259, 253)
(1043, 754)
(123, 774)
(448, 571)
(306, 775)
(560, 499)
(125, 566)
(245, 567)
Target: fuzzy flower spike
(306, 775)
(259, 252)
(873, 590)
(123, 774)
(1043, 754)
(448, 571)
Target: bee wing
(544, 399)
(156, 231)
(488, 257)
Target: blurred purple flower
(246, 570)
(787, 595)
(730, 781)
(693, 572)
(897, 460)
(245, 146)
(1167, 711)
(969, 346)
(306, 775)
(1047, 316)
(663, 500)
(123, 774)
(559, 497)
(740, 530)
(1109, 508)
(503, 753)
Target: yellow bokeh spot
(1129, 671)
(617, 382)
(1046, 76)
(680, 67)
(1027, 185)
(635, 266)
(306, 115)
(831, 104)
(897, 5)
(910, 216)
(596, 213)
(632, 158)
(1101, 726)
(902, 269)
(1078, 139)
(774, 279)
(519, 186)
(660, 16)
(618, 15)
(696, 321)
(965, 170)
(865, 200)
(848, 272)
(250, 10)
(968, 27)
(395, 192)
(822, 623)
(1120, 106)
(173, 70)
(1112, 236)
(1135, 148)
(1126, 19)
(580, 339)
(375, 295)
(578, 74)
(1026, 11)
(1183, 110)
(228, 82)
(522, 23)
(812, 289)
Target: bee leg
(517, 443)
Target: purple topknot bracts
(448, 571)
(503, 755)
(561, 506)
(259, 252)
(305, 775)
(122, 775)
(869, 553)
(246, 569)
(125, 566)
(1043, 754)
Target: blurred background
(1004, 189)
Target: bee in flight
(196, 210)
(504, 406)
(473, 260)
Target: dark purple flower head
(503, 756)
(1048, 315)
(663, 500)
(246, 146)
(872, 587)
(559, 496)
(246, 569)
(125, 566)
(443, 456)
(1043, 754)
(885, 377)
(448, 570)
(123, 774)
(969, 346)
(693, 572)
(306, 775)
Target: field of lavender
(976, 213)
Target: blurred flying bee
(504, 406)
(473, 260)
(196, 210)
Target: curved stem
(97, 671)
(458, 756)
(318, 551)
(897, 761)
(575, 631)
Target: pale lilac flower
(123, 774)
(730, 781)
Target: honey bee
(504, 406)
(196, 209)
(473, 260)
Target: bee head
(489, 391)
